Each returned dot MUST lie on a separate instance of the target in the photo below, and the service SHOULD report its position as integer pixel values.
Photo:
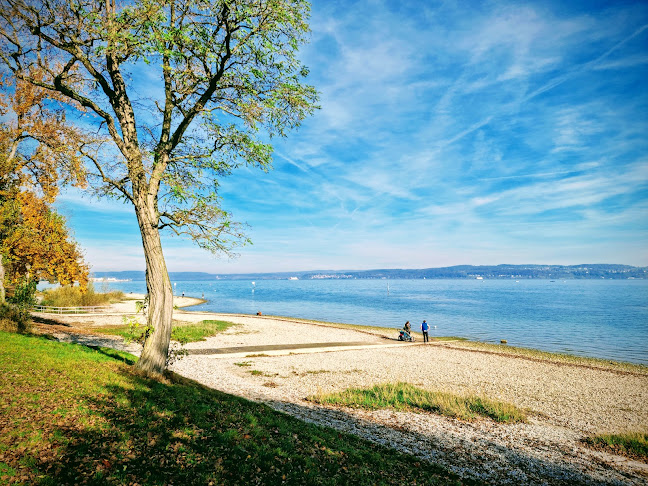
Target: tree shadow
(488, 463)
(122, 356)
(179, 432)
(47, 322)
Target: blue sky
(450, 133)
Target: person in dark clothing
(425, 327)
(408, 327)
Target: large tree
(185, 90)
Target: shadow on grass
(121, 356)
(182, 433)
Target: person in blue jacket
(425, 327)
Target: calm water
(599, 318)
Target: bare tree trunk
(160, 308)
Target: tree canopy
(185, 91)
(224, 70)
(37, 244)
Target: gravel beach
(281, 362)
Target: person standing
(425, 327)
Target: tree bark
(160, 308)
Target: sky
(449, 133)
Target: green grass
(631, 444)
(69, 296)
(75, 415)
(187, 332)
(403, 396)
(183, 332)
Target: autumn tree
(186, 91)
(37, 145)
(37, 244)
(37, 156)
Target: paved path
(282, 349)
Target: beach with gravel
(282, 362)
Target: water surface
(599, 318)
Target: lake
(599, 318)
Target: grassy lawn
(183, 332)
(74, 415)
(403, 396)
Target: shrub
(69, 296)
(14, 319)
(24, 295)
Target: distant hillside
(584, 271)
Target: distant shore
(503, 271)
(130, 299)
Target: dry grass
(69, 296)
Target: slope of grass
(74, 415)
(403, 396)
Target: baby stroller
(403, 335)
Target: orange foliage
(38, 153)
(37, 148)
(39, 245)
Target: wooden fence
(70, 310)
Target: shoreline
(566, 401)
(589, 327)
(534, 354)
(466, 344)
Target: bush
(24, 295)
(14, 319)
(69, 296)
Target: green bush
(24, 295)
(15, 319)
(69, 296)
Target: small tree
(37, 246)
(216, 73)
